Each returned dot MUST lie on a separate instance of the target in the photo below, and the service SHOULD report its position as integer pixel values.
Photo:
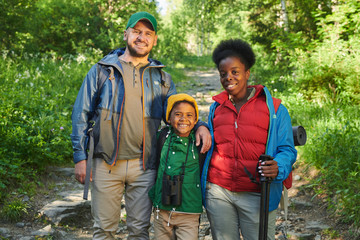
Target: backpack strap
(164, 132)
(102, 76)
(165, 84)
(160, 143)
(202, 157)
(276, 103)
(288, 181)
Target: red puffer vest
(240, 138)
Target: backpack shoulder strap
(165, 83)
(102, 75)
(288, 181)
(160, 143)
(277, 103)
(202, 157)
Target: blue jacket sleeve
(82, 111)
(285, 152)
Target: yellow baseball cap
(178, 98)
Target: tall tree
(201, 18)
(274, 19)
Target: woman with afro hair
(245, 122)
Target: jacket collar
(224, 96)
(113, 58)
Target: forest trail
(58, 212)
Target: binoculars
(172, 190)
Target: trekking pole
(264, 201)
(299, 134)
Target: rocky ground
(58, 211)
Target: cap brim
(148, 20)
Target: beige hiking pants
(184, 226)
(108, 188)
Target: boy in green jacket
(176, 194)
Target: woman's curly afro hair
(234, 48)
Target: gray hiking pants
(230, 213)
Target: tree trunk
(284, 15)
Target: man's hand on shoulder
(203, 135)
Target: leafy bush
(330, 73)
(333, 136)
(66, 26)
(37, 97)
(335, 152)
(269, 71)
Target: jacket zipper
(235, 152)
(117, 133)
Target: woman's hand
(268, 169)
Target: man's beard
(133, 52)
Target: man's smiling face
(140, 39)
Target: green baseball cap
(139, 16)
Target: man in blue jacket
(125, 112)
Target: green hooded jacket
(191, 190)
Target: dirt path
(58, 211)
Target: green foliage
(14, 211)
(339, 169)
(171, 42)
(37, 97)
(66, 26)
(285, 22)
(327, 70)
(269, 71)
(333, 137)
(330, 73)
(343, 22)
(230, 21)
(13, 31)
(177, 75)
(188, 28)
(62, 26)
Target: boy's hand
(203, 135)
